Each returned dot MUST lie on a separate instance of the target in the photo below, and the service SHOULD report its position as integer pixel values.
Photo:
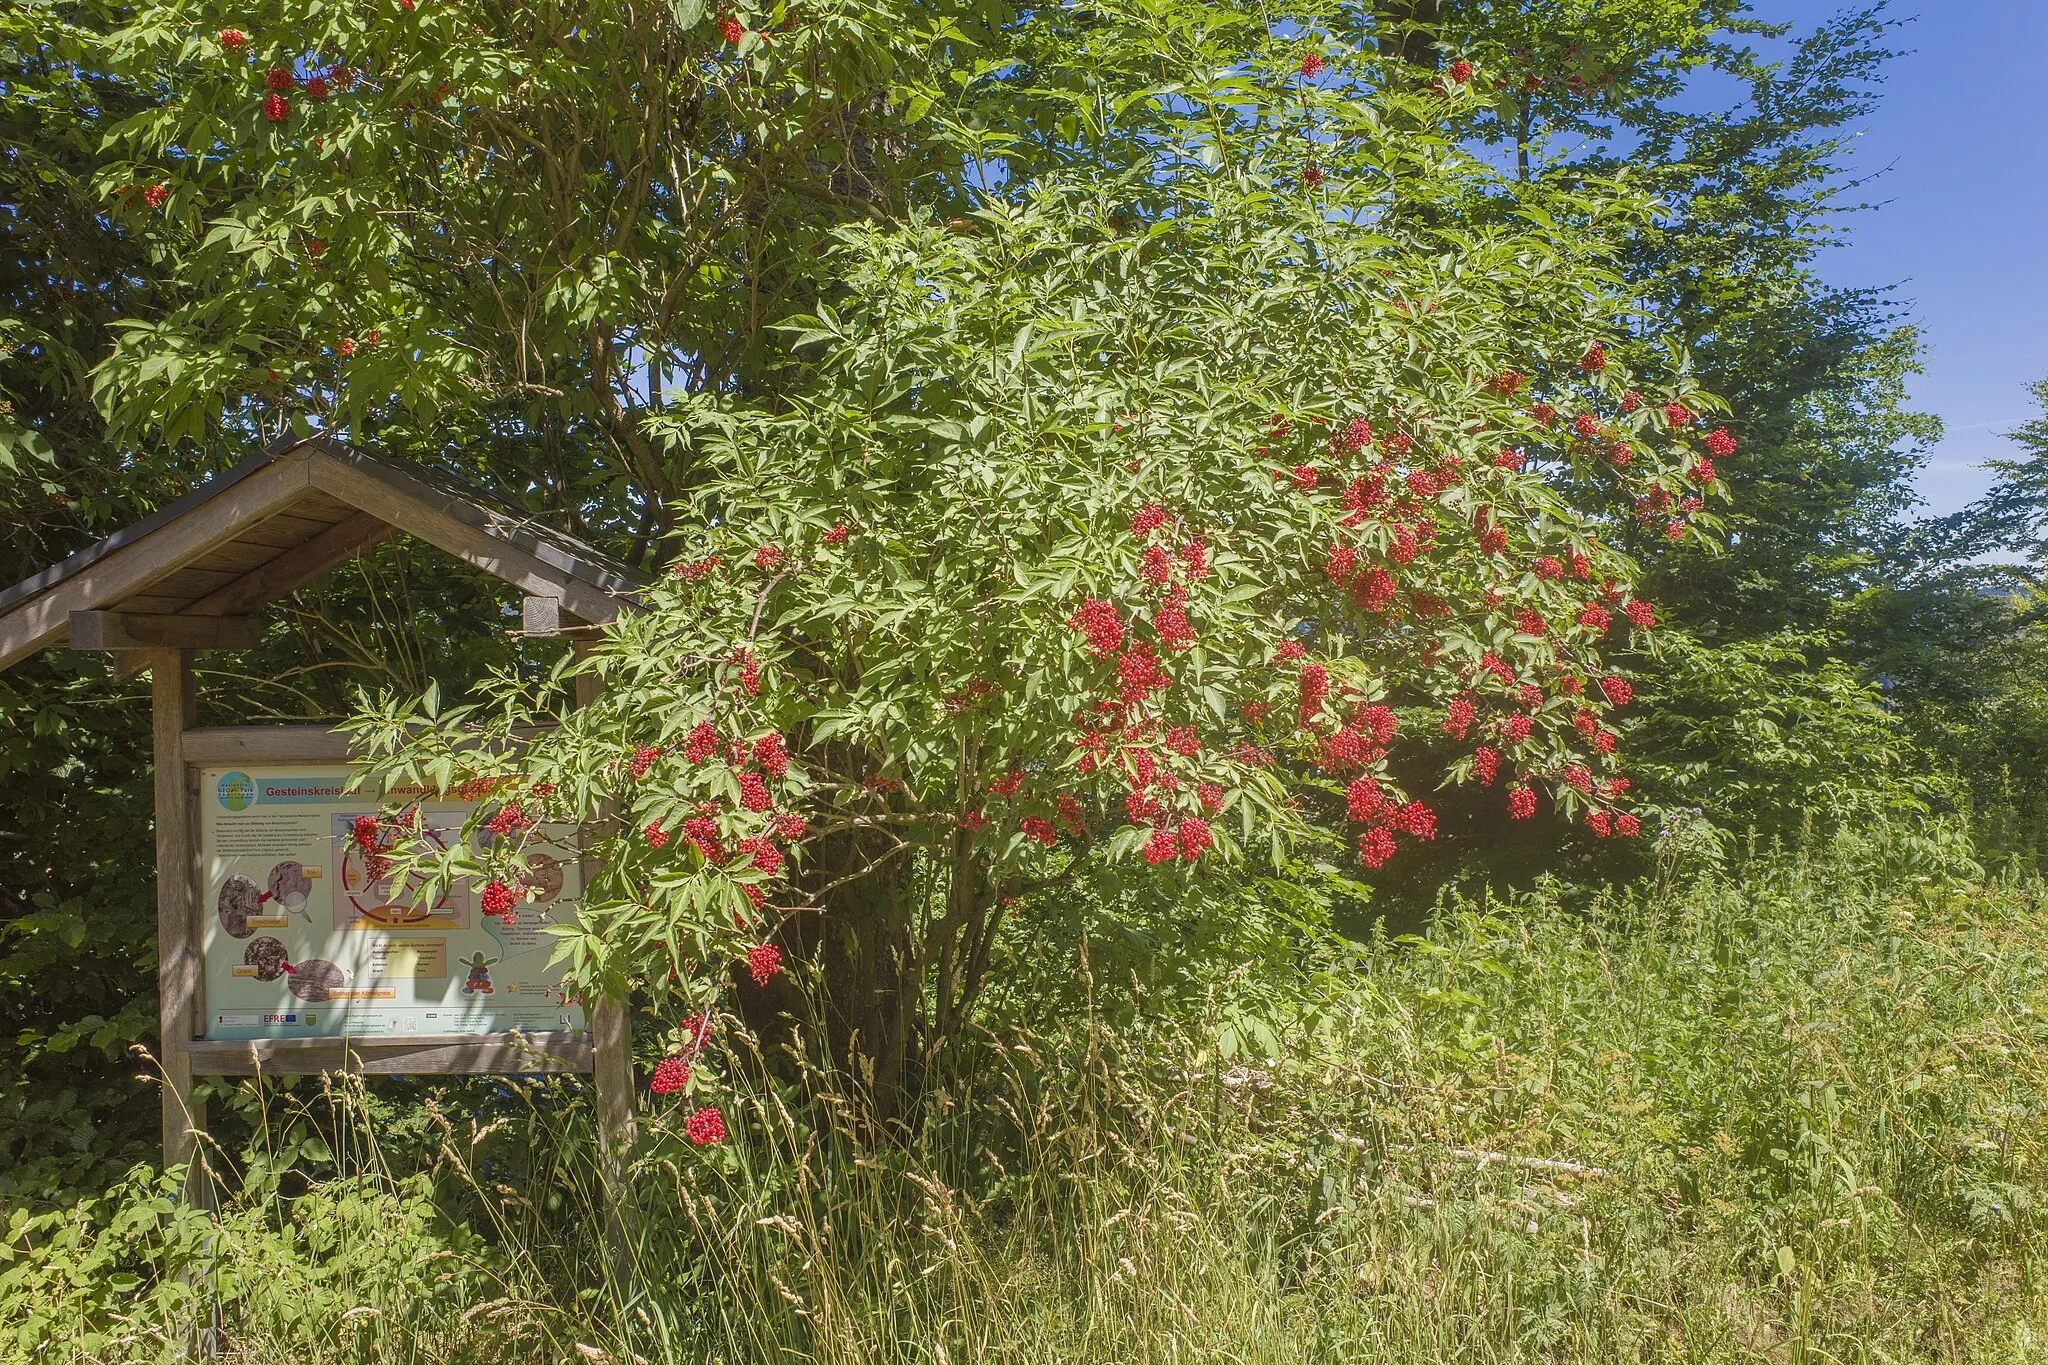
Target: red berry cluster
(671, 1073)
(705, 1127)
(499, 902)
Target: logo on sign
(237, 791)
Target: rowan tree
(1086, 548)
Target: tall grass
(1795, 1113)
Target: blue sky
(1959, 151)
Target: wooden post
(173, 710)
(611, 1039)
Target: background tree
(1957, 627)
(1740, 129)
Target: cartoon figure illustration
(479, 982)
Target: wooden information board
(308, 933)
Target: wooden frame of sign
(192, 577)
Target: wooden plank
(146, 630)
(423, 517)
(230, 746)
(36, 622)
(426, 1054)
(295, 568)
(237, 557)
(172, 707)
(155, 603)
(191, 581)
(288, 529)
(611, 1028)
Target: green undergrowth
(1793, 1111)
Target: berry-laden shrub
(1084, 553)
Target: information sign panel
(307, 934)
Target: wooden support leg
(612, 1048)
(611, 1039)
(173, 710)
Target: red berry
(706, 1126)
(1162, 847)
(233, 39)
(763, 962)
(1312, 64)
(276, 108)
(732, 29)
(754, 792)
(671, 1074)
(1375, 846)
(498, 901)
(279, 78)
(701, 743)
(316, 88)
(155, 195)
(1461, 71)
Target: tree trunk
(869, 979)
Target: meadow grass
(1794, 1112)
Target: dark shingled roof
(280, 519)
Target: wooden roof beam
(153, 630)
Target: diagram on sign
(374, 896)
